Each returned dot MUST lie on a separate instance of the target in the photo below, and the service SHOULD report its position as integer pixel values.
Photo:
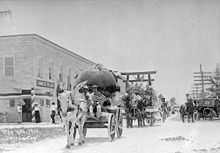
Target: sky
(172, 37)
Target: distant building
(31, 61)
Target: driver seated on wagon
(189, 102)
(99, 102)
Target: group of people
(90, 100)
(135, 104)
(35, 112)
(134, 97)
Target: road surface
(173, 136)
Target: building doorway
(27, 110)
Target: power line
(200, 80)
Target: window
(51, 71)
(47, 102)
(61, 73)
(9, 66)
(12, 103)
(69, 79)
(41, 102)
(40, 69)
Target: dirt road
(173, 136)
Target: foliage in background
(143, 90)
(215, 84)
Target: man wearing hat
(188, 100)
(97, 98)
(19, 110)
(189, 107)
(37, 113)
(84, 99)
(53, 112)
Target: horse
(182, 112)
(187, 109)
(128, 114)
(141, 105)
(71, 112)
(136, 114)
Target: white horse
(74, 112)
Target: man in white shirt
(19, 110)
(53, 112)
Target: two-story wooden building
(31, 61)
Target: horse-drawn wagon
(112, 119)
(151, 115)
(141, 110)
(188, 110)
(111, 116)
(78, 105)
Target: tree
(215, 84)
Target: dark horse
(132, 113)
(137, 114)
(128, 110)
(142, 107)
(187, 109)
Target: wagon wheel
(119, 123)
(111, 127)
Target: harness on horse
(70, 108)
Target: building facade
(33, 62)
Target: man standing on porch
(19, 110)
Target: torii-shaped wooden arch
(139, 79)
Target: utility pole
(202, 79)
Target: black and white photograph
(109, 76)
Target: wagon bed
(112, 120)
